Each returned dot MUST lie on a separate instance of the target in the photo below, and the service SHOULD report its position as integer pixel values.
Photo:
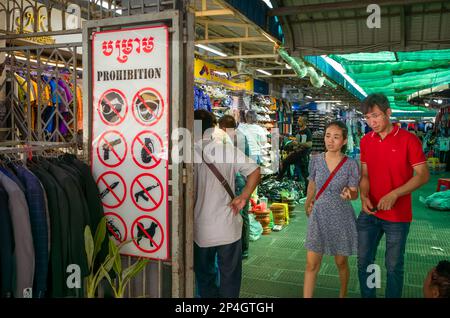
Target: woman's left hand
(346, 193)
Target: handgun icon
(142, 193)
(107, 147)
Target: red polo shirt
(390, 165)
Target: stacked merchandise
(273, 189)
(44, 209)
(318, 143)
(285, 120)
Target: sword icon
(142, 193)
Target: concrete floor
(275, 267)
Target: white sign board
(130, 136)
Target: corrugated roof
(315, 27)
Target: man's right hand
(367, 206)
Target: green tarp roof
(397, 74)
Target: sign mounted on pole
(130, 135)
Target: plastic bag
(256, 228)
(438, 201)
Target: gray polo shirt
(214, 221)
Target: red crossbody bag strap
(331, 177)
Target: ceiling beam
(345, 5)
(233, 40)
(209, 13)
(237, 57)
(222, 23)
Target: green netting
(397, 75)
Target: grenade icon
(145, 156)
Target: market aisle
(276, 264)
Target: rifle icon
(143, 194)
(108, 147)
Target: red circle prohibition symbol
(112, 108)
(158, 116)
(145, 192)
(114, 153)
(138, 140)
(111, 229)
(111, 191)
(146, 233)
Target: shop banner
(208, 73)
(130, 136)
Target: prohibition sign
(146, 149)
(113, 189)
(148, 106)
(116, 226)
(113, 148)
(147, 192)
(147, 231)
(112, 107)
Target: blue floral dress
(332, 223)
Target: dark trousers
(300, 160)
(230, 267)
(245, 230)
(370, 230)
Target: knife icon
(107, 190)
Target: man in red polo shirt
(393, 165)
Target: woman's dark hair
(227, 121)
(373, 100)
(441, 279)
(344, 129)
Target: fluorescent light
(207, 48)
(396, 111)
(327, 101)
(426, 104)
(338, 67)
(46, 62)
(307, 96)
(264, 72)
(269, 4)
(288, 66)
(220, 73)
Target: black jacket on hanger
(58, 206)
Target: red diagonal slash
(113, 232)
(111, 148)
(146, 192)
(146, 106)
(148, 235)
(112, 107)
(110, 190)
(148, 150)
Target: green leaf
(133, 270)
(89, 246)
(117, 264)
(100, 235)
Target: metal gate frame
(181, 100)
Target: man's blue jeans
(370, 230)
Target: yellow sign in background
(209, 73)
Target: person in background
(256, 135)
(217, 222)
(392, 166)
(437, 281)
(331, 218)
(228, 124)
(300, 155)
